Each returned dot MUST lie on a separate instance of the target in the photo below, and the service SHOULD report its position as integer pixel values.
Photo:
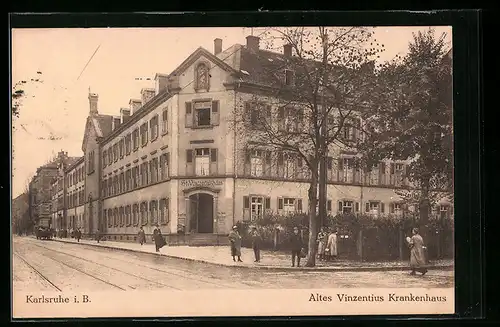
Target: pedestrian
(142, 236)
(417, 255)
(322, 239)
(256, 241)
(158, 238)
(332, 244)
(98, 235)
(235, 240)
(296, 245)
(78, 234)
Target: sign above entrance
(201, 182)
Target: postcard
(271, 171)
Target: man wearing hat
(256, 240)
(235, 240)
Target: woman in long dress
(417, 255)
(332, 244)
(322, 243)
(235, 240)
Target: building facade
(179, 158)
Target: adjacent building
(177, 157)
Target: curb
(269, 268)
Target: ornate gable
(89, 132)
(201, 52)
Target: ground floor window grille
(115, 217)
(153, 212)
(110, 218)
(122, 216)
(135, 214)
(128, 218)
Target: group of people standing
(158, 238)
(327, 244)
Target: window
(121, 148)
(202, 113)
(153, 169)
(374, 174)
(258, 114)
(104, 187)
(202, 162)
(164, 158)
(444, 211)
(153, 125)
(128, 180)
(110, 155)
(135, 214)
(346, 206)
(374, 207)
(144, 213)
(91, 161)
(110, 186)
(290, 119)
(256, 163)
(255, 206)
(122, 216)
(346, 170)
(115, 152)
(122, 182)
(128, 144)
(135, 139)
(288, 205)
(144, 174)
(290, 165)
(351, 128)
(153, 212)
(115, 217)
(288, 77)
(128, 217)
(110, 218)
(395, 208)
(144, 134)
(202, 77)
(115, 185)
(164, 217)
(397, 174)
(164, 122)
(104, 158)
(135, 177)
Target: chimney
(287, 50)
(115, 123)
(146, 95)
(161, 82)
(124, 115)
(253, 42)
(134, 105)
(217, 46)
(93, 97)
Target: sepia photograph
(232, 171)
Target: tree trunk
(423, 209)
(313, 224)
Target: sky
(57, 105)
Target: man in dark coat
(256, 241)
(296, 245)
(98, 235)
(158, 238)
(142, 236)
(78, 234)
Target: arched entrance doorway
(201, 209)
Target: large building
(179, 158)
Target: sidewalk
(220, 255)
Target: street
(49, 265)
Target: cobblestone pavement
(47, 265)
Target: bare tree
(306, 98)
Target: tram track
(42, 276)
(109, 267)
